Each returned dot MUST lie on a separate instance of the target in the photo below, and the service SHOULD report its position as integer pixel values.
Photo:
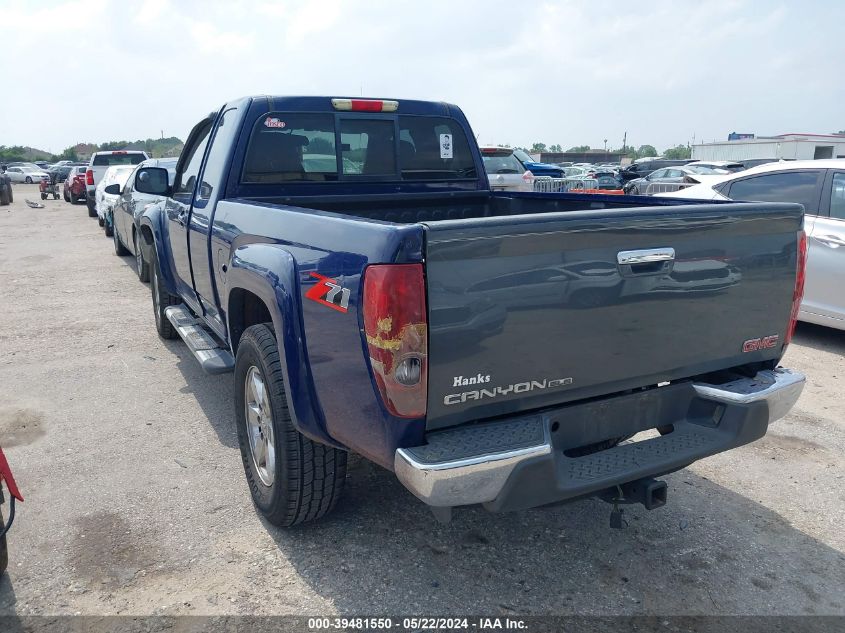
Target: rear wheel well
(245, 309)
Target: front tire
(292, 478)
(28, 180)
(142, 266)
(161, 300)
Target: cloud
(567, 72)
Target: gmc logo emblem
(754, 344)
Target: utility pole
(625, 142)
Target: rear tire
(292, 478)
(92, 209)
(143, 267)
(101, 222)
(65, 196)
(161, 300)
(4, 196)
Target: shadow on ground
(820, 338)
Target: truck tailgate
(530, 311)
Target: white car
(819, 185)
(25, 173)
(104, 202)
(99, 163)
(505, 171)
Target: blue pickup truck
(347, 261)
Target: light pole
(605, 150)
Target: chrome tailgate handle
(645, 256)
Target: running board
(211, 357)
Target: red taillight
(365, 105)
(396, 327)
(89, 177)
(798, 292)
(528, 177)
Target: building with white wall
(786, 146)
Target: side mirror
(112, 190)
(152, 180)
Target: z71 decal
(330, 293)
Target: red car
(14, 493)
(74, 188)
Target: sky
(570, 72)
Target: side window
(188, 178)
(837, 196)
(795, 186)
(660, 173)
(674, 173)
(214, 173)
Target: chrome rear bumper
(512, 458)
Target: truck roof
(324, 104)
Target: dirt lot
(136, 501)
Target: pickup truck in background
(97, 166)
(536, 167)
(348, 262)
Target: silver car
(25, 174)
(504, 171)
(820, 186)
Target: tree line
(643, 151)
(155, 148)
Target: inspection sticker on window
(272, 121)
(445, 146)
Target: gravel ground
(136, 501)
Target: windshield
(126, 158)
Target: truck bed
(433, 207)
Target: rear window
(298, 147)
(107, 160)
(501, 163)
